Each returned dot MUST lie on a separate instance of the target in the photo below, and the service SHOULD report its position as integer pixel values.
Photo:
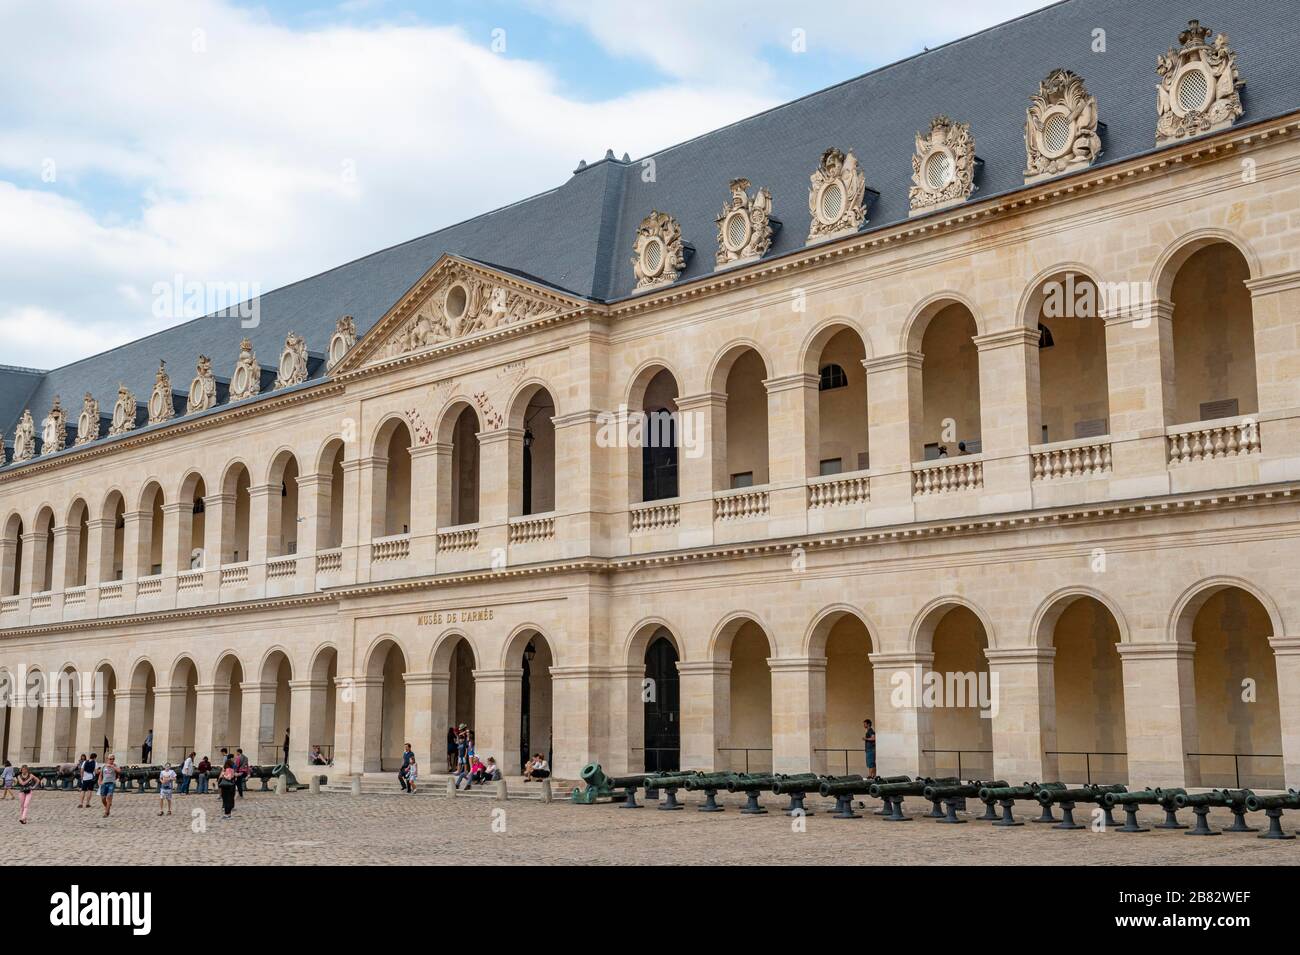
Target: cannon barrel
(707, 781)
(1086, 794)
(626, 782)
(851, 785)
(1144, 797)
(750, 782)
(914, 787)
(1215, 797)
(1287, 800)
(1023, 791)
(668, 780)
(797, 783)
(970, 790)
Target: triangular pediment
(456, 300)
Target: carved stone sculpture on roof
(88, 422)
(943, 166)
(25, 438)
(54, 429)
(161, 406)
(658, 254)
(246, 380)
(292, 369)
(744, 225)
(837, 196)
(203, 389)
(124, 412)
(1060, 127)
(1199, 86)
(344, 337)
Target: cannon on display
(1201, 803)
(1067, 799)
(953, 796)
(1272, 807)
(1164, 798)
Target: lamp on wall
(530, 652)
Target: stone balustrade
(741, 504)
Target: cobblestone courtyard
(302, 828)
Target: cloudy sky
(226, 141)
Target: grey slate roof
(578, 237)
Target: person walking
(226, 785)
(412, 774)
(286, 747)
(242, 770)
(146, 750)
(7, 780)
(25, 783)
(451, 749)
(107, 779)
(87, 782)
(869, 747)
(205, 767)
(187, 775)
(408, 755)
(166, 782)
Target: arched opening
(460, 689)
(749, 739)
(850, 693)
(321, 703)
(276, 709)
(227, 708)
(330, 502)
(841, 428)
(535, 491)
(950, 385)
(184, 703)
(282, 511)
(11, 557)
(33, 723)
(140, 715)
(385, 708)
(113, 557)
(959, 695)
(43, 552)
(149, 557)
(236, 516)
(662, 705)
(1214, 336)
(463, 491)
(102, 714)
(653, 436)
(193, 529)
(396, 496)
(64, 699)
(536, 696)
(74, 571)
(742, 441)
(1238, 713)
(1074, 396)
(1088, 681)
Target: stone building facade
(1004, 455)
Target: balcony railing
(234, 575)
(947, 475)
(528, 530)
(740, 504)
(329, 561)
(280, 568)
(1210, 440)
(384, 549)
(42, 600)
(148, 586)
(654, 517)
(838, 490)
(189, 580)
(74, 595)
(458, 539)
(110, 590)
(9, 605)
(1071, 459)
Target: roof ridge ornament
(837, 196)
(161, 405)
(1199, 86)
(246, 382)
(88, 422)
(943, 166)
(203, 389)
(292, 369)
(54, 429)
(745, 225)
(658, 255)
(25, 438)
(1060, 127)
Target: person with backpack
(227, 783)
(87, 781)
(242, 771)
(205, 767)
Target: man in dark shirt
(869, 745)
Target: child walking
(8, 780)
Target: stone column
(425, 462)
(65, 558)
(91, 703)
(314, 494)
(306, 719)
(99, 551)
(176, 544)
(30, 571)
(1275, 308)
(903, 725)
(1160, 713)
(128, 725)
(22, 715)
(495, 477)
(1023, 710)
(1140, 381)
(359, 719)
(356, 521)
(705, 695)
(1286, 656)
(894, 440)
(168, 723)
(419, 717)
(211, 711)
(793, 445)
(498, 704)
(218, 541)
(49, 732)
(579, 721)
(1010, 415)
(701, 466)
(263, 502)
(627, 719)
(253, 694)
(798, 714)
(8, 566)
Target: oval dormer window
(938, 170)
(1056, 134)
(737, 231)
(1193, 90)
(652, 257)
(832, 203)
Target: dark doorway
(662, 707)
(659, 456)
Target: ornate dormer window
(943, 166)
(745, 225)
(1198, 89)
(837, 196)
(659, 256)
(124, 412)
(293, 362)
(54, 429)
(1060, 127)
(344, 337)
(246, 381)
(88, 422)
(25, 438)
(203, 389)
(161, 406)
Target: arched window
(832, 376)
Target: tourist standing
(146, 750)
(187, 774)
(286, 747)
(107, 778)
(412, 774)
(205, 767)
(7, 775)
(25, 783)
(451, 749)
(87, 782)
(241, 771)
(166, 782)
(226, 785)
(869, 747)
(408, 756)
